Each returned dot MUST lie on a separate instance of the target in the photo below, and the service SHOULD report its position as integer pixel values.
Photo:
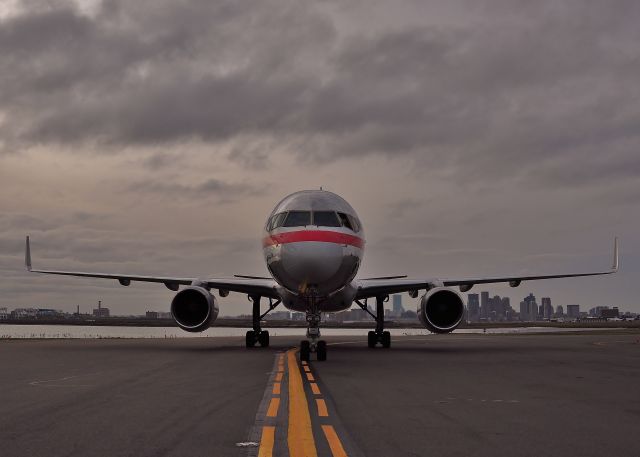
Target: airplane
(313, 245)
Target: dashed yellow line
(279, 376)
(310, 377)
(334, 442)
(307, 369)
(322, 408)
(276, 388)
(300, 435)
(266, 442)
(272, 411)
(314, 388)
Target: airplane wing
(371, 288)
(264, 287)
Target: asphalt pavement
(444, 395)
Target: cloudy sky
(473, 137)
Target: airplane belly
(338, 301)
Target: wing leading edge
(367, 288)
(251, 286)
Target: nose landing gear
(313, 343)
(319, 347)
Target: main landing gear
(313, 343)
(257, 335)
(380, 335)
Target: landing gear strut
(313, 343)
(257, 335)
(380, 335)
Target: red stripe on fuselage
(322, 236)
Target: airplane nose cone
(312, 264)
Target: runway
(447, 395)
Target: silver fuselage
(313, 246)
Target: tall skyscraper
(547, 309)
(529, 309)
(397, 305)
(473, 308)
(484, 305)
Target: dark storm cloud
(521, 90)
(154, 71)
(211, 188)
(524, 85)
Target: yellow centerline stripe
(322, 408)
(310, 377)
(279, 376)
(307, 369)
(276, 388)
(266, 442)
(300, 435)
(273, 407)
(314, 388)
(334, 442)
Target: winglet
(615, 255)
(27, 255)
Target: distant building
(529, 309)
(397, 305)
(546, 308)
(278, 316)
(559, 311)
(48, 313)
(610, 313)
(100, 311)
(4, 314)
(358, 315)
(295, 316)
(573, 311)
(24, 313)
(473, 307)
(597, 311)
(507, 311)
(152, 315)
(484, 305)
(409, 315)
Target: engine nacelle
(441, 310)
(194, 309)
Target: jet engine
(194, 309)
(441, 310)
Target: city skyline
(396, 304)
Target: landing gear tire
(371, 339)
(386, 339)
(250, 338)
(305, 350)
(263, 339)
(321, 350)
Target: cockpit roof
(314, 200)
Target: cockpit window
(355, 223)
(297, 219)
(325, 219)
(344, 219)
(276, 221)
